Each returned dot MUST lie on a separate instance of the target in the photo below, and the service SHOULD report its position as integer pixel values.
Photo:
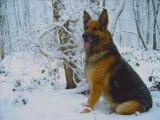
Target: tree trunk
(68, 66)
(104, 3)
(117, 14)
(154, 26)
(26, 13)
(64, 38)
(148, 38)
(69, 76)
(137, 24)
(2, 25)
(1, 45)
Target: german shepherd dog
(108, 74)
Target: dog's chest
(99, 71)
(95, 71)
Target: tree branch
(116, 17)
(138, 30)
(129, 32)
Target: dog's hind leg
(129, 107)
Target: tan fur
(99, 83)
(129, 107)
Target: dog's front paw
(87, 110)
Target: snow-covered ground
(28, 92)
(64, 105)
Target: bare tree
(147, 24)
(64, 39)
(117, 14)
(1, 32)
(4, 28)
(137, 21)
(26, 12)
(149, 21)
(155, 11)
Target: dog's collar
(97, 56)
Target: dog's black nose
(85, 36)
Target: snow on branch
(129, 33)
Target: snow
(64, 105)
(32, 90)
(33, 101)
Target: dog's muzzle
(85, 37)
(86, 40)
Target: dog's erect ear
(86, 18)
(103, 19)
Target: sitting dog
(108, 74)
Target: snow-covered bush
(2, 70)
(49, 79)
(137, 57)
(20, 100)
(21, 85)
(154, 78)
